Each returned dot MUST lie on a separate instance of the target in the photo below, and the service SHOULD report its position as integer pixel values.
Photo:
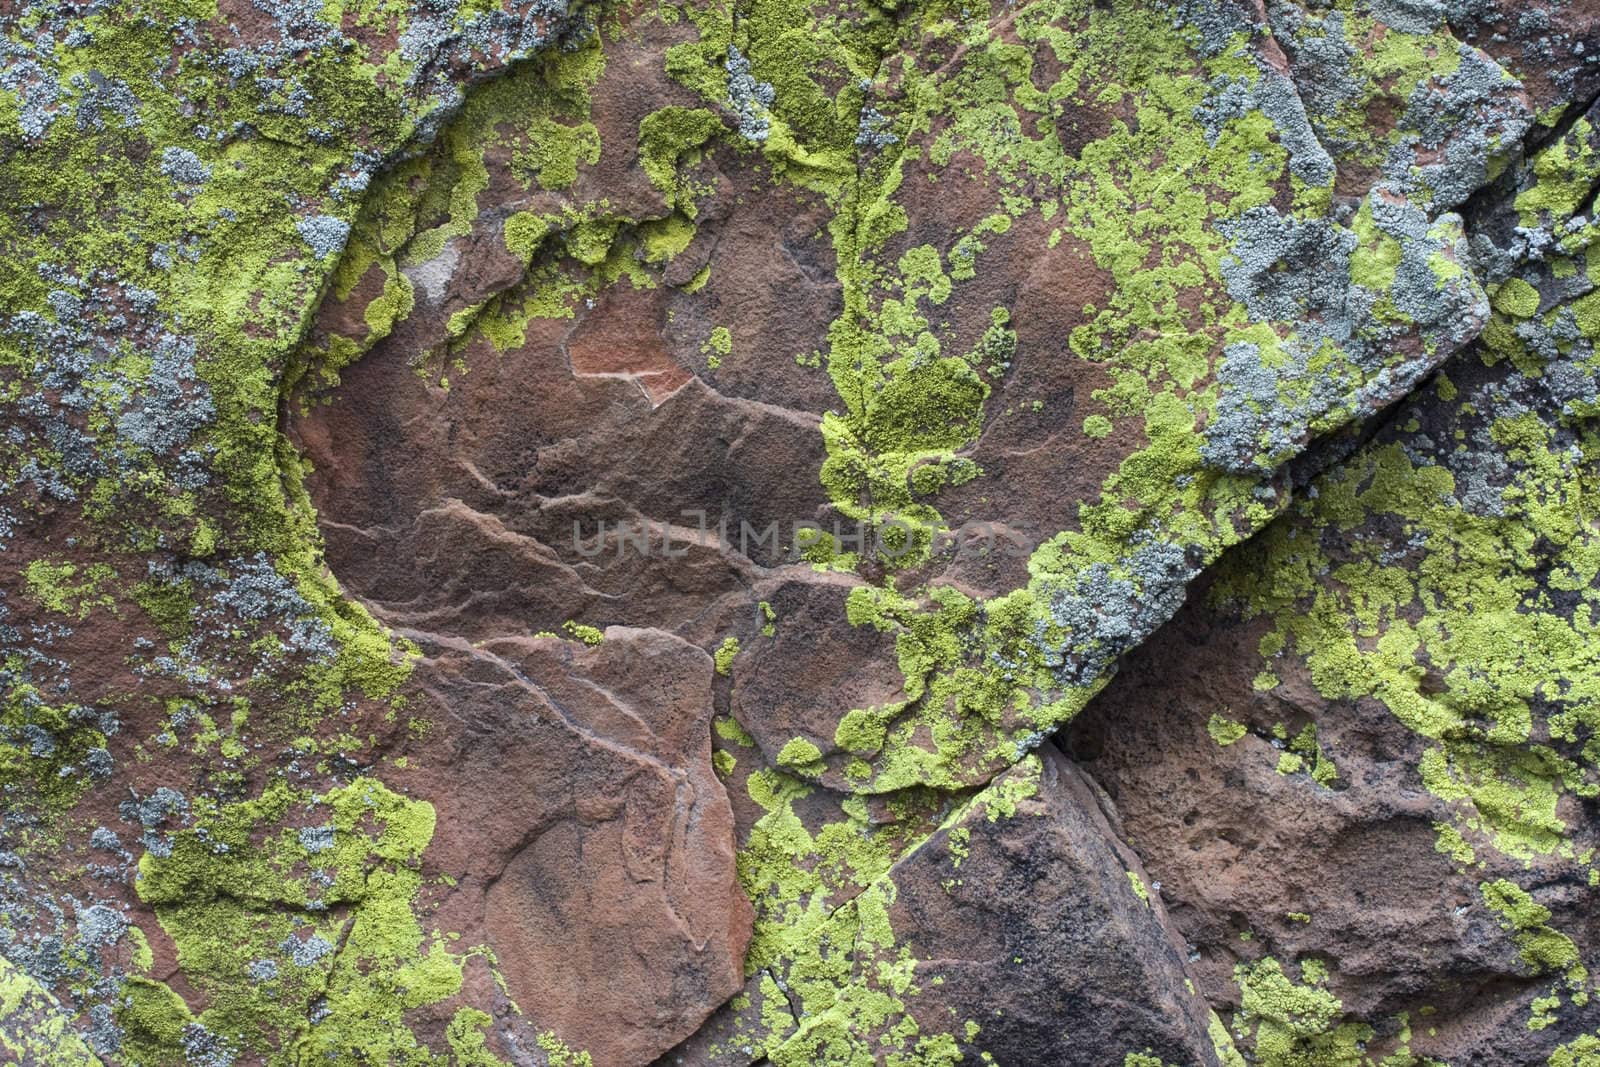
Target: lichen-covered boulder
(1367, 751)
(846, 533)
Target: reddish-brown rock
(590, 840)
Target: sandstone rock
(1045, 921)
(571, 533)
(595, 842)
(1030, 929)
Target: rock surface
(563, 533)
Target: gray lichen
(749, 98)
(325, 234)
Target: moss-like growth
(723, 657)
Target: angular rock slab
(1017, 930)
(580, 815)
(1042, 927)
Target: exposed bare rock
(596, 842)
(1044, 917)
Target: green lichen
(1225, 731)
(48, 749)
(1148, 196)
(914, 401)
(1582, 1051)
(1451, 843)
(35, 1027)
(722, 658)
(65, 589)
(666, 137)
(294, 915)
(1306, 754)
(1517, 298)
(717, 346)
(196, 223)
(1143, 1059)
(823, 928)
(1446, 572)
(1294, 1024)
(1541, 947)
(1365, 637)
(800, 754)
(588, 635)
(559, 1054)
(1139, 889)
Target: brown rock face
(533, 492)
(637, 458)
(1309, 781)
(1348, 871)
(1044, 917)
(595, 843)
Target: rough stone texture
(1023, 901)
(1393, 761)
(607, 849)
(556, 534)
(1045, 925)
(1356, 859)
